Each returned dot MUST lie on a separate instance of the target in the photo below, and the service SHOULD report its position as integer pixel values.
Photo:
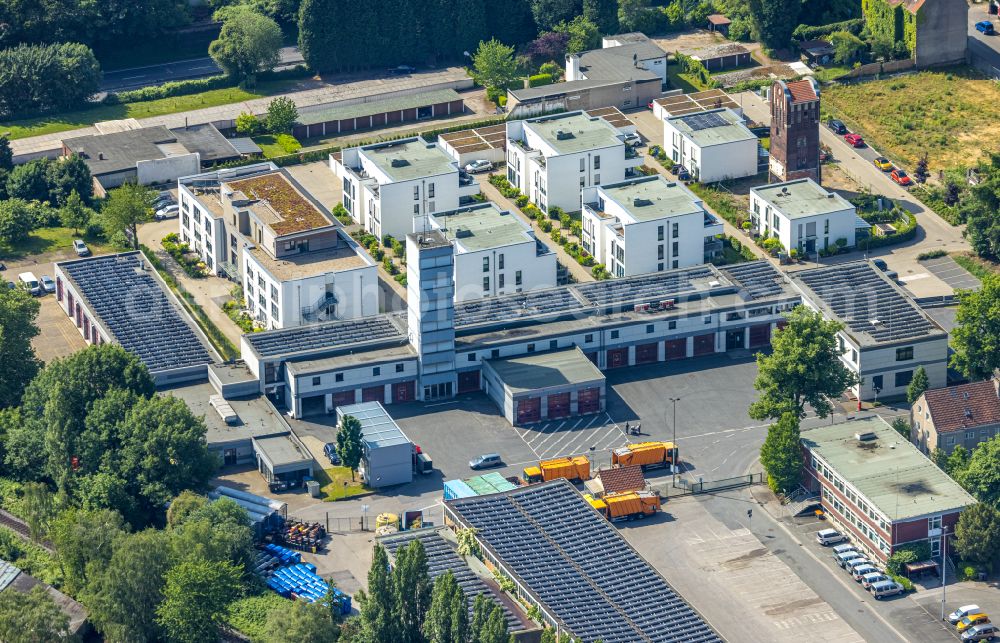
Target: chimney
(100, 156)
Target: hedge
(904, 233)
(196, 86)
(539, 79)
(808, 32)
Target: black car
(402, 70)
(838, 127)
(880, 264)
(330, 450)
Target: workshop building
(387, 454)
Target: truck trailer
(648, 455)
(573, 469)
(627, 505)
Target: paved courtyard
(945, 269)
(594, 434)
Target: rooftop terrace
(283, 207)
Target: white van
(840, 549)
(30, 283)
(846, 557)
(829, 537)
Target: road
(136, 77)
(984, 49)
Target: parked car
(900, 177)
(838, 127)
(846, 557)
(47, 284)
(485, 461)
(880, 264)
(882, 163)
(464, 178)
(855, 140)
(972, 620)
(29, 282)
(840, 549)
(633, 139)
(962, 612)
(81, 248)
(853, 564)
(871, 578)
(861, 571)
(681, 173)
(985, 27)
(828, 537)
(886, 588)
(330, 451)
(477, 166)
(402, 70)
(167, 212)
(983, 632)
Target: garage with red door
(704, 344)
(760, 335)
(617, 357)
(373, 394)
(404, 391)
(468, 382)
(542, 386)
(646, 353)
(676, 348)
(343, 398)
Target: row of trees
(36, 78)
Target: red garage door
(760, 335)
(645, 353)
(529, 410)
(373, 394)
(617, 357)
(588, 400)
(704, 344)
(343, 398)
(558, 406)
(468, 382)
(676, 348)
(404, 392)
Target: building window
(376, 371)
(934, 522)
(495, 353)
(500, 261)
(826, 226)
(339, 377)
(659, 233)
(486, 284)
(903, 354)
(486, 264)
(274, 311)
(500, 280)
(708, 319)
(659, 252)
(588, 338)
(659, 267)
(416, 209)
(517, 278)
(671, 325)
(903, 378)
(531, 348)
(877, 382)
(583, 164)
(649, 328)
(614, 334)
(430, 190)
(950, 440)
(416, 192)
(553, 344)
(400, 368)
(597, 162)
(597, 179)
(970, 435)
(274, 292)
(472, 357)
(316, 381)
(674, 264)
(675, 250)
(583, 182)
(854, 356)
(675, 230)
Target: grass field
(337, 483)
(44, 240)
(82, 118)
(945, 114)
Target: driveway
(945, 269)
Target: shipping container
(648, 455)
(457, 489)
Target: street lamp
(673, 457)
(944, 566)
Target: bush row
(195, 86)
(808, 32)
(905, 232)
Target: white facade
(496, 253)
(646, 225)
(802, 215)
(618, 56)
(714, 145)
(552, 158)
(389, 188)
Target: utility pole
(673, 458)
(944, 566)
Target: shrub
(565, 221)
(576, 229)
(587, 261)
(341, 214)
(552, 69)
(539, 80)
(933, 254)
(288, 143)
(555, 212)
(905, 582)
(546, 226)
(600, 271)
(557, 237)
(521, 201)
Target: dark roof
(312, 337)
(133, 307)
(14, 580)
(622, 479)
(246, 146)
(655, 285)
(373, 107)
(441, 557)
(816, 47)
(556, 89)
(615, 63)
(760, 278)
(578, 566)
(208, 141)
(966, 406)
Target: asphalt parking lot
(580, 435)
(945, 269)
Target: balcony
(713, 226)
(633, 158)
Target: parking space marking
(573, 436)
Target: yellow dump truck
(573, 469)
(627, 505)
(648, 455)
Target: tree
(67, 175)
(603, 13)
(302, 623)
(85, 543)
(549, 13)
(981, 477)
(6, 154)
(412, 587)
(977, 535)
(29, 181)
(583, 34)
(549, 46)
(219, 532)
(247, 45)
(957, 462)
(493, 65)
(16, 221)
(33, 617)
(918, 385)
(127, 207)
(976, 337)
(248, 124)
(781, 453)
(940, 458)
(18, 363)
(195, 597)
(902, 426)
(39, 508)
(635, 15)
(920, 172)
(481, 608)
(281, 115)
(379, 617)
(495, 629)
(349, 443)
(775, 20)
(40, 78)
(74, 213)
(447, 617)
(846, 47)
(804, 368)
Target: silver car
(480, 165)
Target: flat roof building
(720, 56)
(282, 459)
(714, 145)
(879, 487)
(804, 216)
(387, 454)
(352, 115)
(684, 104)
(646, 224)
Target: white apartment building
(645, 225)
(259, 227)
(714, 145)
(552, 158)
(803, 215)
(496, 253)
(390, 187)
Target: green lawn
(270, 146)
(337, 483)
(687, 83)
(979, 268)
(45, 240)
(826, 74)
(72, 120)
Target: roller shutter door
(404, 391)
(373, 394)
(760, 335)
(645, 353)
(468, 382)
(704, 344)
(343, 398)
(617, 357)
(588, 400)
(676, 348)
(558, 405)
(529, 409)
(313, 405)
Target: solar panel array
(760, 278)
(866, 302)
(698, 122)
(131, 304)
(441, 557)
(319, 336)
(581, 569)
(645, 288)
(512, 307)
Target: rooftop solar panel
(319, 336)
(547, 535)
(760, 278)
(518, 306)
(134, 308)
(644, 288)
(709, 120)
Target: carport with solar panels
(570, 562)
